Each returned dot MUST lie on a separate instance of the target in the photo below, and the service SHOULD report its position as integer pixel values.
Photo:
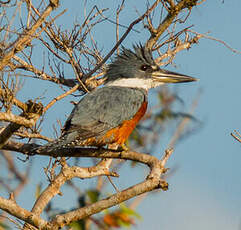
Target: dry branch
(172, 52)
(153, 180)
(27, 35)
(236, 135)
(42, 75)
(25, 134)
(10, 206)
(67, 173)
(9, 117)
(60, 97)
(128, 30)
(7, 95)
(28, 118)
(173, 12)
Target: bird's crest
(128, 62)
(140, 53)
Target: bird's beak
(166, 76)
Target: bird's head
(137, 69)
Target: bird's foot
(118, 147)
(123, 147)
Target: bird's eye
(145, 67)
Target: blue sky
(205, 190)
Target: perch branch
(152, 182)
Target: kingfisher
(108, 115)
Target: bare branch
(32, 149)
(60, 97)
(122, 39)
(28, 118)
(7, 94)
(237, 135)
(42, 75)
(10, 206)
(153, 181)
(217, 40)
(173, 12)
(67, 173)
(27, 35)
(25, 134)
(16, 119)
(179, 47)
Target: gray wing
(103, 109)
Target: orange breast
(121, 133)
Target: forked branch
(153, 181)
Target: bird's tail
(58, 144)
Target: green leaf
(93, 195)
(130, 211)
(78, 225)
(123, 223)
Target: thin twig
(218, 40)
(237, 135)
(60, 97)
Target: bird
(108, 115)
